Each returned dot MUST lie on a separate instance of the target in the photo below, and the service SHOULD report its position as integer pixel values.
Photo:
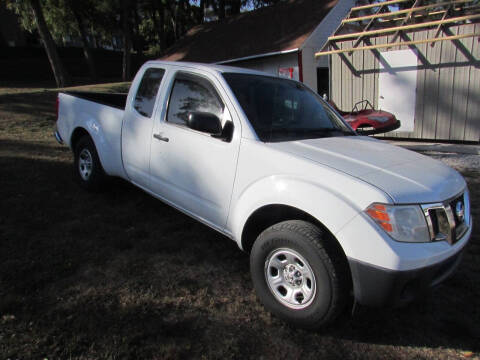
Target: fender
(332, 209)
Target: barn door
(397, 86)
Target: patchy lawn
(121, 275)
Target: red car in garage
(366, 120)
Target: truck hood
(406, 176)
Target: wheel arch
(77, 134)
(110, 159)
(268, 215)
(278, 198)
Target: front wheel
(88, 170)
(299, 274)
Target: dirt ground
(121, 275)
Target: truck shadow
(134, 277)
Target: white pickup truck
(327, 216)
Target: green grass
(121, 275)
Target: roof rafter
(406, 19)
(402, 43)
(404, 27)
(380, 8)
(384, 3)
(405, 11)
(380, 23)
(439, 27)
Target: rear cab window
(147, 91)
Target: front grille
(440, 227)
(448, 221)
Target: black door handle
(160, 137)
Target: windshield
(284, 110)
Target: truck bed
(116, 100)
(101, 115)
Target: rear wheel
(299, 274)
(88, 170)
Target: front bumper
(375, 286)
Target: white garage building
(280, 39)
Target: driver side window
(191, 93)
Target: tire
(88, 170)
(320, 293)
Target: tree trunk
(161, 26)
(159, 22)
(184, 11)
(61, 76)
(221, 9)
(127, 41)
(176, 18)
(201, 13)
(87, 52)
(2, 41)
(137, 38)
(235, 6)
(94, 38)
(156, 25)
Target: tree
(157, 7)
(147, 26)
(221, 9)
(74, 8)
(235, 6)
(174, 9)
(66, 18)
(106, 18)
(127, 40)
(138, 40)
(201, 12)
(61, 75)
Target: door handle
(160, 137)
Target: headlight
(402, 222)
(381, 119)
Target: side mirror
(204, 122)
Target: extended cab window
(192, 93)
(147, 91)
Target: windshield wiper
(333, 130)
(286, 134)
(322, 131)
